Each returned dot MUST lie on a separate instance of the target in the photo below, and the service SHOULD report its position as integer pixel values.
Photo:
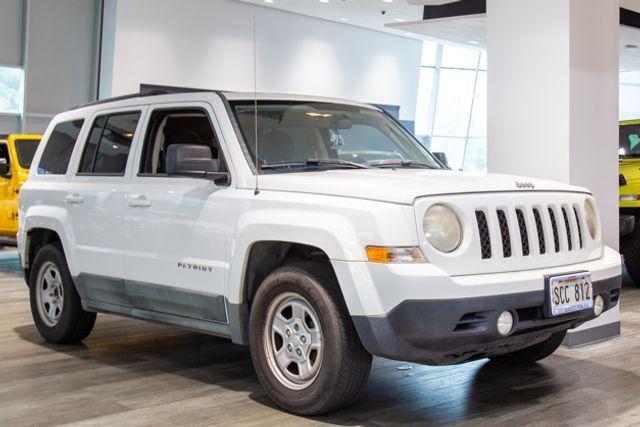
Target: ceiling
(361, 13)
(404, 18)
(470, 31)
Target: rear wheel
(55, 303)
(532, 354)
(304, 347)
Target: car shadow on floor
(396, 393)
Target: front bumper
(418, 313)
(441, 332)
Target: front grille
(540, 231)
(524, 238)
(554, 226)
(567, 227)
(533, 226)
(504, 232)
(577, 216)
(483, 231)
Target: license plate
(570, 293)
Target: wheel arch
(42, 225)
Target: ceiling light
(268, 1)
(387, 1)
(399, 20)
(473, 42)
(344, 19)
(324, 1)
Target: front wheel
(304, 347)
(532, 354)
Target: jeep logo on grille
(528, 185)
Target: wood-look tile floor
(130, 372)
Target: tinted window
(5, 158)
(90, 148)
(57, 153)
(26, 149)
(109, 142)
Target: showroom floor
(137, 373)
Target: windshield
(26, 148)
(630, 140)
(310, 135)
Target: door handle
(74, 199)
(139, 201)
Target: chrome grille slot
(568, 228)
(504, 232)
(485, 239)
(539, 231)
(554, 228)
(524, 237)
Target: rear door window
(109, 143)
(57, 153)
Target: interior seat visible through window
(170, 127)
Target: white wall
(208, 44)
(10, 32)
(60, 58)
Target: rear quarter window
(59, 147)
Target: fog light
(598, 305)
(505, 323)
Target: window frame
(149, 127)
(107, 115)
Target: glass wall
(629, 95)
(11, 90)
(451, 113)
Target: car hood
(402, 186)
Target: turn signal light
(394, 255)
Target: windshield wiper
(314, 163)
(334, 162)
(403, 164)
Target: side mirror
(442, 158)
(194, 160)
(4, 167)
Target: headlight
(591, 218)
(442, 228)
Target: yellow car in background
(629, 152)
(16, 154)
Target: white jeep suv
(317, 231)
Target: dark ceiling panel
(457, 8)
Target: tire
(530, 355)
(63, 320)
(338, 378)
(630, 248)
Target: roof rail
(123, 97)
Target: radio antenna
(255, 106)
